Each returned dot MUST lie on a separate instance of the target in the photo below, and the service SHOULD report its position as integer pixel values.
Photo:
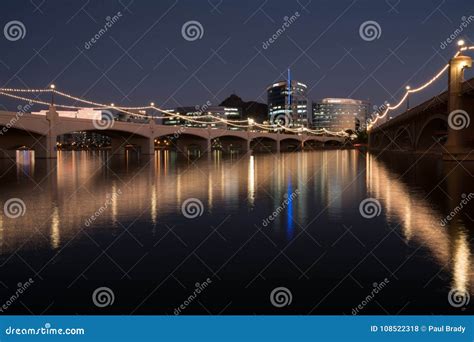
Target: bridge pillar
(147, 146)
(247, 144)
(45, 148)
(460, 137)
(118, 146)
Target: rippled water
(262, 221)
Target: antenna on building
(289, 88)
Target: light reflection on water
(60, 195)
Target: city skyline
(281, 166)
(172, 73)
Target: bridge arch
(230, 142)
(290, 144)
(433, 130)
(264, 143)
(403, 139)
(189, 143)
(333, 142)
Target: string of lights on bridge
(409, 90)
(204, 119)
(200, 119)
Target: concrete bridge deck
(429, 127)
(40, 133)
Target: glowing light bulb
(52, 86)
(461, 42)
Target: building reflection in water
(420, 222)
(329, 183)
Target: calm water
(317, 244)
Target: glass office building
(288, 104)
(336, 114)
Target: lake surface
(251, 224)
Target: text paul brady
(446, 329)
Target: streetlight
(52, 87)
(408, 96)
(251, 123)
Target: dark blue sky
(143, 57)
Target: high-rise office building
(288, 104)
(336, 114)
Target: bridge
(439, 126)
(40, 133)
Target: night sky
(143, 57)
